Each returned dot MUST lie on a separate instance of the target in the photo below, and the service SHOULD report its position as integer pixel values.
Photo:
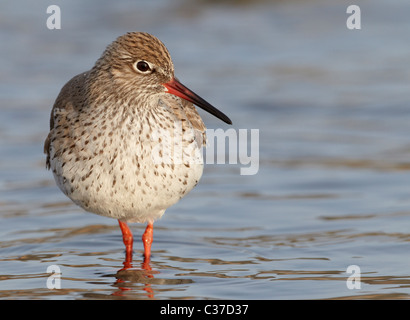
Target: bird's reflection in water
(128, 276)
(129, 280)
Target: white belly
(131, 173)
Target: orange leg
(147, 240)
(128, 241)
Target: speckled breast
(129, 167)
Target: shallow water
(332, 190)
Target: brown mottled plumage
(122, 142)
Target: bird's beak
(177, 88)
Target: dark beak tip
(177, 88)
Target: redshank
(125, 137)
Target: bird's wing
(71, 96)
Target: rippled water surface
(332, 109)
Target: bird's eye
(143, 66)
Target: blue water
(332, 190)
